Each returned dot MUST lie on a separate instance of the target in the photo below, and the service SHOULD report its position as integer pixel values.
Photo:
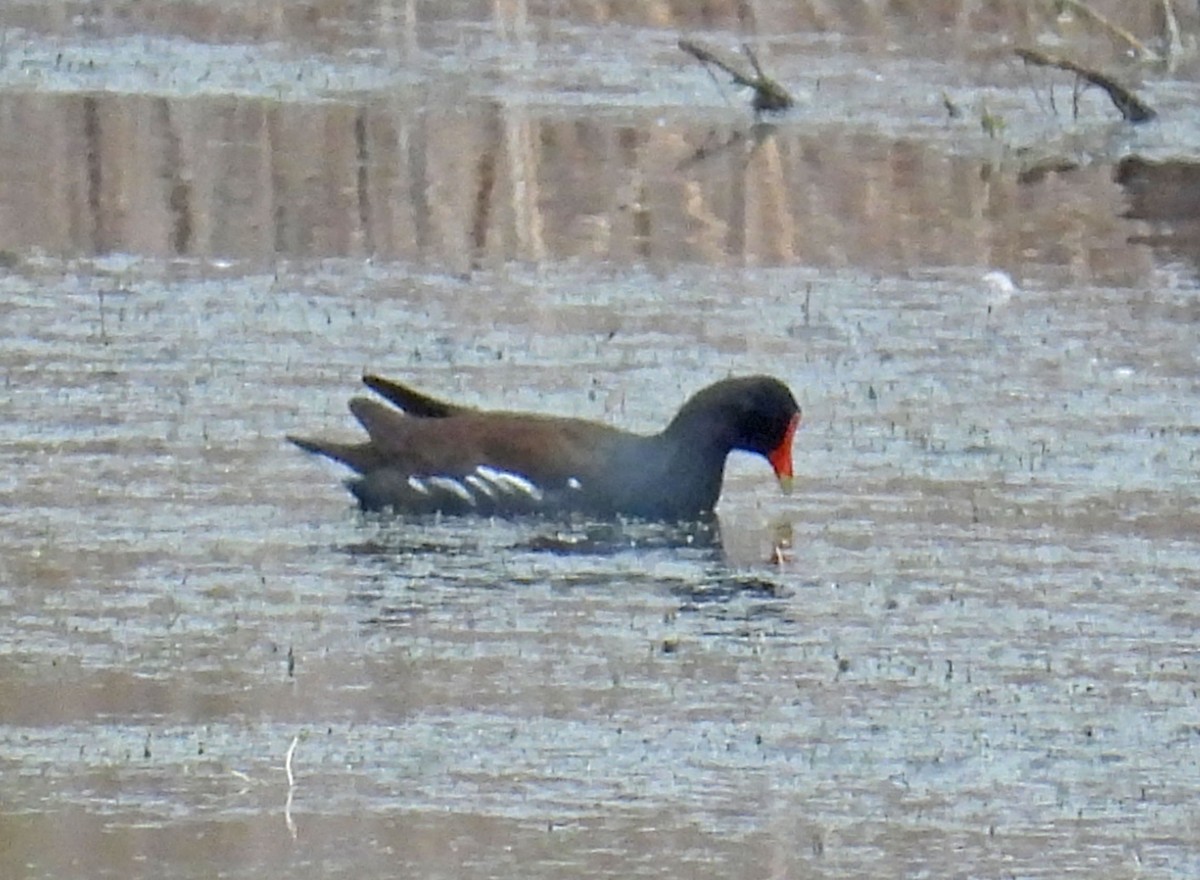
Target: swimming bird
(425, 455)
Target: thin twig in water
(287, 816)
(287, 763)
(287, 807)
(1174, 39)
(1137, 45)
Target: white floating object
(1001, 288)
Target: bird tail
(410, 400)
(359, 456)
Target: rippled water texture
(965, 647)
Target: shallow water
(964, 647)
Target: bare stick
(287, 807)
(749, 53)
(1174, 40)
(287, 816)
(287, 763)
(1121, 33)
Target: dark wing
(490, 463)
(544, 449)
(411, 401)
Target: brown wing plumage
(545, 449)
(412, 401)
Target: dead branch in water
(1131, 106)
(1144, 51)
(769, 96)
(1174, 39)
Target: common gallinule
(431, 456)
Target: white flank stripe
(454, 487)
(418, 485)
(509, 482)
(482, 486)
